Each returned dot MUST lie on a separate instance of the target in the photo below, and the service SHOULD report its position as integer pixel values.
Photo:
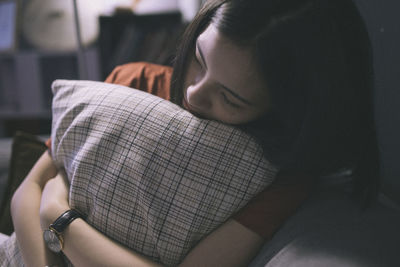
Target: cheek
(192, 75)
(189, 76)
(240, 117)
(228, 116)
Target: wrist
(53, 236)
(49, 214)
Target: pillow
(148, 173)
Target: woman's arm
(83, 244)
(25, 213)
(98, 249)
(230, 245)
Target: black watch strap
(64, 220)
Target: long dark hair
(317, 59)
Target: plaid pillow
(146, 172)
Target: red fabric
(154, 79)
(265, 213)
(268, 210)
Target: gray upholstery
(384, 28)
(330, 230)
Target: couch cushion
(146, 172)
(382, 20)
(332, 230)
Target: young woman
(295, 74)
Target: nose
(199, 96)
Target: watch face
(52, 240)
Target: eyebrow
(223, 86)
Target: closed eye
(229, 102)
(199, 57)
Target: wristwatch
(53, 235)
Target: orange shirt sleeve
(151, 78)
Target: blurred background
(39, 43)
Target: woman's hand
(54, 200)
(25, 206)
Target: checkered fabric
(146, 172)
(10, 254)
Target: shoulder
(152, 69)
(149, 77)
(123, 74)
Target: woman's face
(223, 82)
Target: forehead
(231, 65)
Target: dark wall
(383, 22)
